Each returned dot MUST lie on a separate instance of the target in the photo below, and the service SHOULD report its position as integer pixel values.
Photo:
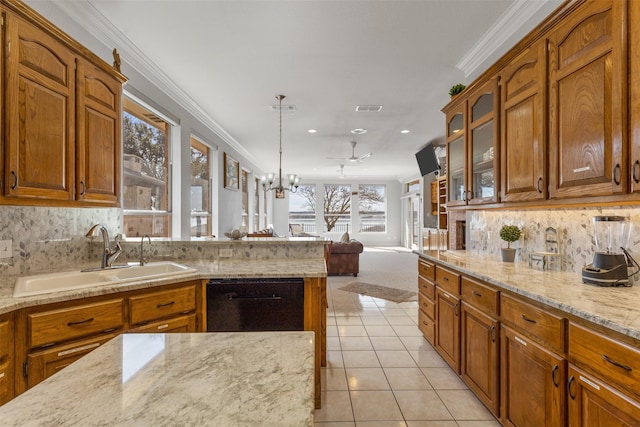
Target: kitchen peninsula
(162, 304)
(230, 379)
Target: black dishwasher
(244, 305)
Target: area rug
(378, 291)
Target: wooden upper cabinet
(483, 147)
(587, 101)
(634, 95)
(456, 155)
(40, 105)
(98, 133)
(522, 112)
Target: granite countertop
(226, 379)
(615, 308)
(206, 269)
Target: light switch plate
(226, 253)
(5, 249)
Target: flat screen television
(427, 160)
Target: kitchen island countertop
(225, 379)
(616, 308)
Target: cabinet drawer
(68, 323)
(427, 305)
(479, 295)
(535, 321)
(448, 280)
(183, 324)
(4, 340)
(427, 327)
(157, 305)
(427, 288)
(6, 393)
(43, 364)
(613, 360)
(426, 269)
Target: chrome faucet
(108, 255)
(142, 260)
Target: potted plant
(509, 233)
(456, 89)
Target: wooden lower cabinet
(448, 328)
(533, 379)
(592, 403)
(479, 355)
(427, 326)
(6, 358)
(42, 364)
(183, 324)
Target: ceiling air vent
(368, 108)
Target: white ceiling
(228, 60)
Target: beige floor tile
(374, 319)
(334, 379)
(395, 359)
(366, 379)
(335, 424)
(432, 424)
(333, 343)
(416, 343)
(355, 343)
(478, 424)
(428, 359)
(334, 359)
(375, 406)
(380, 331)
(351, 331)
(349, 321)
(381, 424)
(331, 321)
(336, 406)
(421, 405)
(463, 405)
(387, 343)
(392, 311)
(400, 320)
(370, 311)
(360, 359)
(407, 379)
(332, 331)
(443, 379)
(407, 331)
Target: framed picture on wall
(231, 173)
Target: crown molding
(88, 17)
(499, 33)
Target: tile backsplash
(574, 228)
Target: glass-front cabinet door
(456, 170)
(483, 144)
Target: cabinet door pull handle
(539, 185)
(168, 304)
(469, 195)
(83, 188)
(15, 180)
(553, 375)
(571, 395)
(424, 322)
(636, 172)
(616, 174)
(89, 320)
(619, 365)
(455, 309)
(527, 319)
(476, 293)
(492, 333)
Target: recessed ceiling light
(312, 131)
(358, 131)
(405, 131)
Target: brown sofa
(344, 258)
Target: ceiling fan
(353, 158)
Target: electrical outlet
(226, 253)
(5, 249)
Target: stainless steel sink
(64, 281)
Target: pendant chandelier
(270, 179)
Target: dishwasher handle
(232, 297)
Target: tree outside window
(372, 208)
(200, 190)
(302, 208)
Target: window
(264, 210)
(413, 186)
(337, 207)
(256, 209)
(302, 208)
(372, 208)
(200, 190)
(245, 199)
(145, 172)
